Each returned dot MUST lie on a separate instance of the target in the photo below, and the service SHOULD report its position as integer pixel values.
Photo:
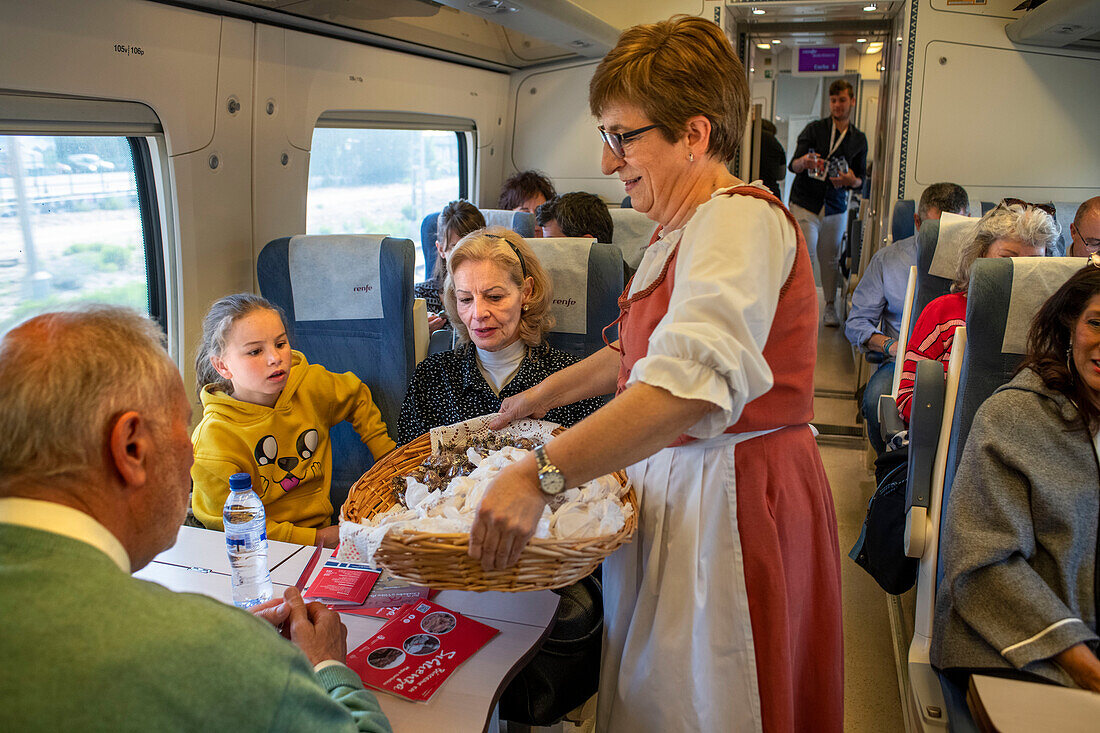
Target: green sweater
(87, 647)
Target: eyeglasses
(1091, 245)
(1047, 207)
(615, 140)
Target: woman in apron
(724, 612)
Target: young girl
(267, 412)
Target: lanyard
(834, 145)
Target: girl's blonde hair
(216, 325)
(510, 252)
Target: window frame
(26, 114)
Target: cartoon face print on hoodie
(288, 463)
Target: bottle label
(246, 542)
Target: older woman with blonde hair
(724, 611)
(497, 295)
(1013, 228)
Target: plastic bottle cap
(240, 482)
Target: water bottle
(246, 542)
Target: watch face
(552, 481)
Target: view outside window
(380, 181)
(70, 226)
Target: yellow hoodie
(285, 448)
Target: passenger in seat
(1018, 596)
(576, 214)
(874, 323)
(526, 191)
(267, 412)
(497, 295)
(457, 219)
(1013, 228)
(1085, 229)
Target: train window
(78, 224)
(370, 178)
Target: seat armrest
(925, 420)
(890, 422)
(420, 329)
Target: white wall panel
(65, 47)
(305, 75)
(996, 118)
(553, 131)
(1029, 120)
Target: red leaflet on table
(342, 583)
(386, 612)
(414, 653)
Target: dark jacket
(448, 388)
(810, 193)
(1019, 537)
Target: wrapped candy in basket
(418, 528)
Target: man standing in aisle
(831, 157)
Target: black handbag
(880, 549)
(566, 670)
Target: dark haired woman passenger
(1019, 593)
(457, 219)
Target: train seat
(939, 248)
(428, 228)
(520, 222)
(901, 219)
(372, 338)
(588, 279)
(1064, 211)
(1004, 296)
(633, 232)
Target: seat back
(429, 226)
(940, 244)
(901, 219)
(349, 307)
(520, 222)
(1005, 295)
(633, 232)
(588, 279)
(1064, 211)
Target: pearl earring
(691, 157)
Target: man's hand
(315, 629)
(508, 515)
(435, 322)
(847, 179)
(329, 536)
(275, 611)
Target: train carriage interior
(163, 154)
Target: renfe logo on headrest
(564, 302)
(362, 289)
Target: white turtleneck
(499, 366)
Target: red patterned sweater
(932, 337)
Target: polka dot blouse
(448, 388)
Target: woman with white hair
(1013, 228)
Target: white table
(198, 564)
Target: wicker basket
(440, 560)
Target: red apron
(780, 549)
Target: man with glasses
(1085, 229)
(831, 157)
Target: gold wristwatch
(551, 480)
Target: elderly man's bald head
(1085, 229)
(65, 376)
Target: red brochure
(342, 583)
(386, 612)
(413, 654)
